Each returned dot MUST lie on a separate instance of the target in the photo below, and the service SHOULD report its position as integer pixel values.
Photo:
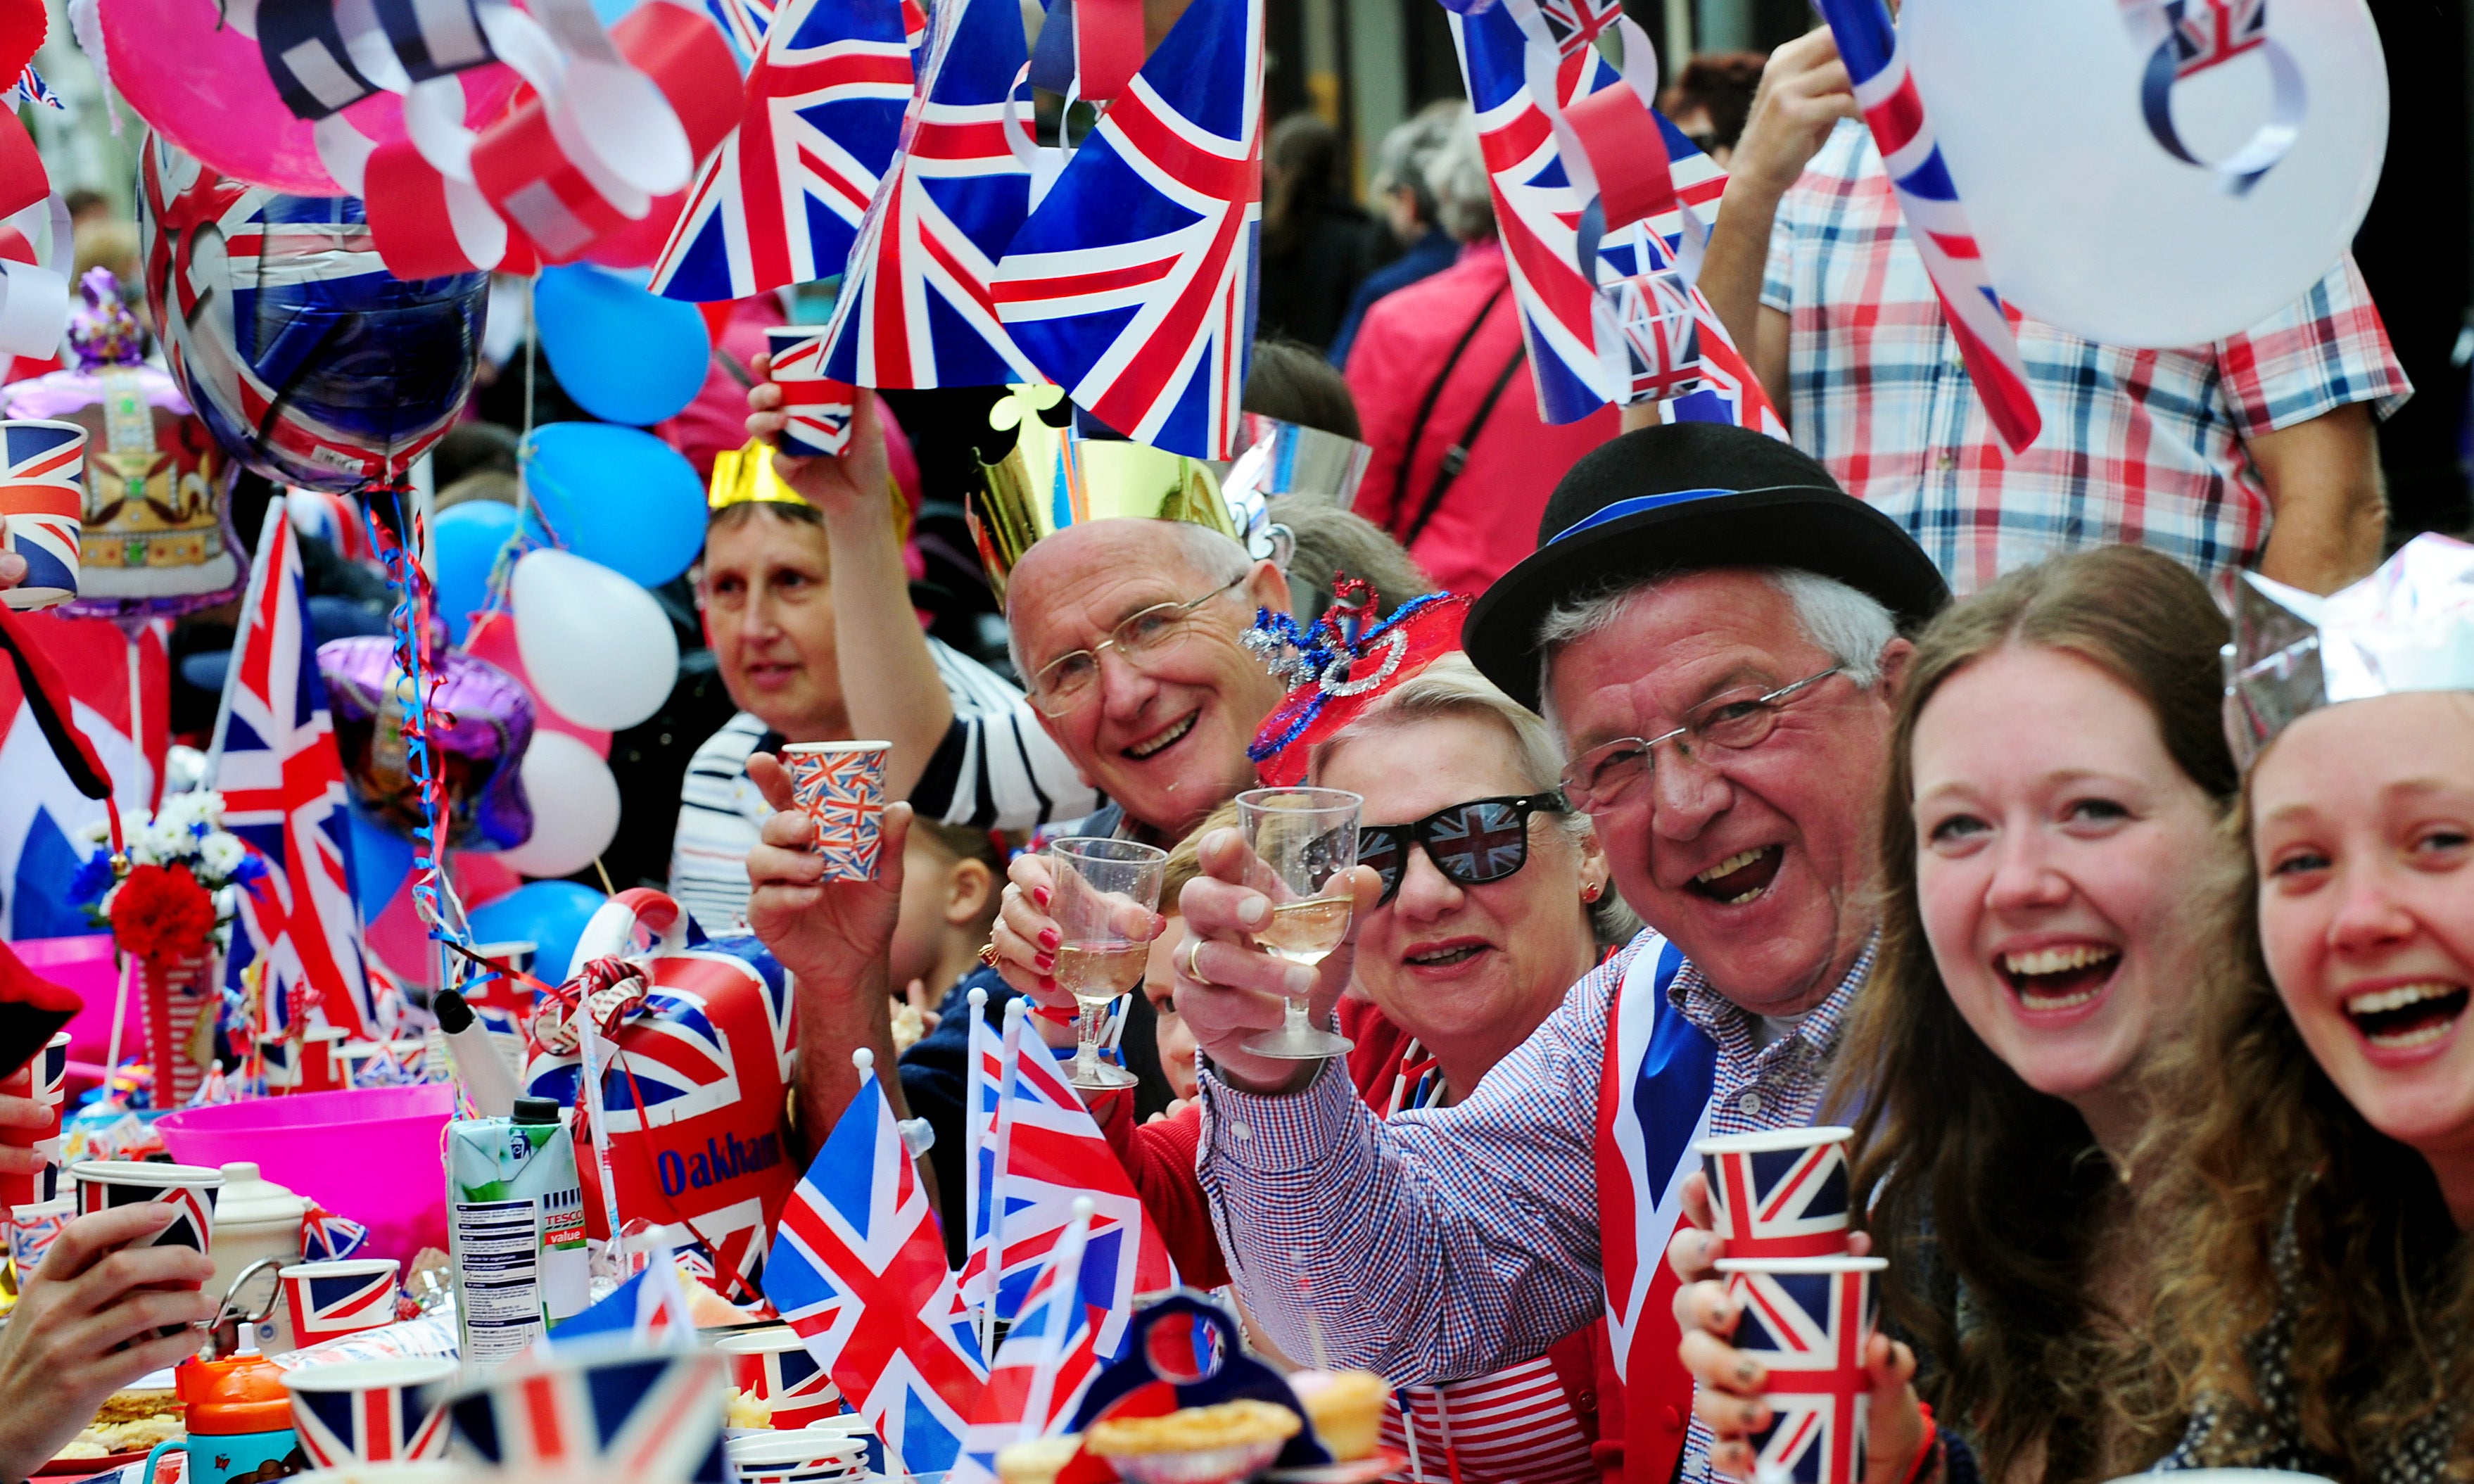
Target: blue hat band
(1638, 504)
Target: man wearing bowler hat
(1712, 627)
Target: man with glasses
(1712, 627)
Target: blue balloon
(626, 355)
(616, 496)
(469, 538)
(550, 914)
(381, 859)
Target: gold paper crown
(745, 476)
(1052, 478)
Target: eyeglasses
(1142, 639)
(1601, 779)
(1471, 843)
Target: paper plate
(2088, 222)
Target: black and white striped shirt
(996, 769)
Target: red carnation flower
(162, 912)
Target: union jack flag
(647, 1306)
(32, 88)
(1808, 1329)
(327, 1304)
(858, 1268)
(42, 494)
(744, 24)
(1131, 283)
(1936, 221)
(1043, 1368)
(327, 1237)
(375, 1425)
(625, 1414)
(1046, 1153)
(1674, 349)
(1781, 1202)
(780, 202)
(916, 306)
(2210, 33)
(282, 783)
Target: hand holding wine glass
(1308, 840)
(1103, 887)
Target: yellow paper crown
(1052, 478)
(745, 476)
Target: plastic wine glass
(1307, 839)
(1104, 881)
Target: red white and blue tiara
(1340, 666)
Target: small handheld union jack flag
(1132, 284)
(1043, 1368)
(1808, 1321)
(1936, 222)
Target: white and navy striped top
(996, 769)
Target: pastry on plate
(1213, 1445)
(1038, 1461)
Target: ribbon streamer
(2186, 38)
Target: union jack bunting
(858, 1268)
(377, 1424)
(1042, 1369)
(1808, 1329)
(1781, 1202)
(282, 782)
(1044, 1154)
(621, 1414)
(1667, 345)
(1936, 221)
(780, 202)
(42, 498)
(324, 1306)
(916, 306)
(327, 1237)
(1131, 283)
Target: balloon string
(408, 625)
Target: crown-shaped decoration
(1288, 458)
(1340, 666)
(1050, 476)
(2408, 626)
(102, 331)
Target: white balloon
(595, 646)
(2087, 223)
(575, 806)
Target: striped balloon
(1936, 222)
(42, 498)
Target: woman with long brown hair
(2058, 775)
(2316, 1300)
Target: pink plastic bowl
(370, 1155)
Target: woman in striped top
(808, 658)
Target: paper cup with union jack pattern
(605, 1408)
(327, 1300)
(42, 508)
(804, 1455)
(1779, 1192)
(773, 1366)
(105, 1184)
(1808, 1320)
(32, 1230)
(841, 786)
(371, 1411)
(818, 406)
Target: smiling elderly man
(1716, 627)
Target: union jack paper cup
(774, 1366)
(599, 1410)
(42, 508)
(329, 1298)
(371, 1411)
(32, 1230)
(1808, 1320)
(841, 786)
(1780, 1192)
(806, 1455)
(819, 407)
(102, 1184)
(40, 1184)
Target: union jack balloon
(308, 361)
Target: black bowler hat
(1686, 496)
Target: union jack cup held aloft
(818, 406)
(841, 786)
(1808, 1320)
(42, 506)
(1780, 1193)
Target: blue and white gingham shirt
(2140, 446)
(1451, 1242)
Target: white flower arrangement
(187, 830)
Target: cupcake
(1346, 1408)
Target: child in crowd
(1159, 981)
(950, 878)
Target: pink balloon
(204, 86)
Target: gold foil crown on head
(745, 476)
(2408, 626)
(1053, 477)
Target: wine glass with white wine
(1105, 884)
(1308, 839)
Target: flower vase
(180, 988)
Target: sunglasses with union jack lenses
(1471, 843)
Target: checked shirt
(2140, 447)
(1448, 1243)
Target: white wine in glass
(1305, 932)
(1099, 973)
(1104, 884)
(1305, 840)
